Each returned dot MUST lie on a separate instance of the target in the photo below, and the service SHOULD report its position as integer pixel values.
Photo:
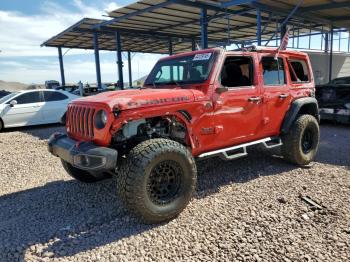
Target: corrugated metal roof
(145, 28)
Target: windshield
(182, 70)
(5, 98)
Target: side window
(298, 71)
(27, 98)
(237, 71)
(53, 96)
(273, 71)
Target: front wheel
(301, 143)
(82, 175)
(157, 179)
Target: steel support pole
(119, 60)
(129, 67)
(60, 57)
(204, 28)
(170, 46)
(331, 55)
(326, 42)
(97, 60)
(193, 45)
(258, 28)
(283, 31)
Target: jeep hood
(129, 99)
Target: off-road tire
(1, 125)
(81, 175)
(136, 179)
(293, 148)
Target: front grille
(80, 121)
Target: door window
(27, 98)
(273, 71)
(237, 72)
(298, 71)
(51, 96)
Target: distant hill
(16, 86)
(12, 86)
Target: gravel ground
(244, 210)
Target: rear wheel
(82, 175)
(1, 125)
(301, 143)
(157, 179)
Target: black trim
(186, 114)
(62, 146)
(294, 110)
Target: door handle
(254, 99)
(283, 96)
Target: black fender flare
(294, 110)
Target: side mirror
(13, 103)
(221, 89)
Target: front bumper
(83, 155)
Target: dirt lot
(244, 210)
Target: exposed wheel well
(309, 109)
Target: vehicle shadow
(42, 132)
(68, 217)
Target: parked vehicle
(51, 84)
(334, 100)
(193, 105)
(4, 93)
(34, 107)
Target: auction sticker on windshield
(204, 56)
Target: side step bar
(268, 142)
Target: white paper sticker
(204, 56)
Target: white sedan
(34, 107)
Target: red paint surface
(218, 120)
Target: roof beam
(281, 11)
(235, 2)
(141, 11)
(333, 5)
(340, 18)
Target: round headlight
(101, 118)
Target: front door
(276, 93)
(238, 109)
(26, 111)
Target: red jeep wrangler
(193, 105)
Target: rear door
(276, 92)
(27, 111)
(55, 105)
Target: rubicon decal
(158, 101)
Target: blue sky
(27, 24)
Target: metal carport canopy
(172, 26)
(147, 26)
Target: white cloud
(21, 54)
(21, 35)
